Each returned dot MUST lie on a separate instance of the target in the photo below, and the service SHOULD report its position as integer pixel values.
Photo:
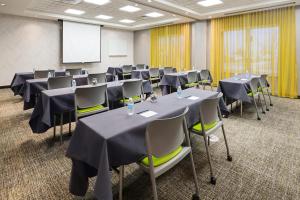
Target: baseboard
(4, 86)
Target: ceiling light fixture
(208, 3)
(97, 2)
(154, 14)
(106, 17)
(74, 12)
(130, 9)
(127, 21)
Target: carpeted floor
(266, 159)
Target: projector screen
(81, 42)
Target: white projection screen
(81, 42)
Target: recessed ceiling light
(154, 14)
(74, 12)
(130, 9)
(149, 1)
(127, 21)
(3, 4)
(104, 17)
(97, 2)
(208, 3)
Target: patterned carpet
(266, 159)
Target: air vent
(73, 2)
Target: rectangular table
(113, 138)
(32, 87)
(237, 87)
(62, 101)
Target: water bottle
(179, 92)
(116, 78)
(49, 74)
(73, 84)
(130, 106)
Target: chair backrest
(140, 66)
(263, 80)
(192, 77)
(205, 74)
(254, 84)
(74, 71)
(127, 68)
(209, 111)
(100, 77)
(168, 70)
(91, 96)
(43, 73)
(59, 82)
(165, 135)
(132, 88)
(154, 72)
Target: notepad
(244, 79)
(148, 113)
(193, 98)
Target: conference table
(33, 87)
(98, 144)
(237, 87)
(17, 84)
(62, 101)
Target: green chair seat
(162, 160)
(154, 78)
(134, 98)
(90, 109)
(191, 84)
(198, 127)
(205, 81)
(251, 94)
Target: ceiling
(174, 11)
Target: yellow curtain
(171, 46)
(259, 43)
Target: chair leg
(267, 109)
(153, 182)
(70, 121)
(54, 127)
(229, 157)
(241, 108)
(121, 177)
(211, 87)
(269, 97)
(261, 104)
(213, 180)
(197, 195)
(61, 127)
(258, 118)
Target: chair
(132, 89)
(154, 75)
(74, 71)
(254, 92)
(167, 143)
(140, 66)
(265, 86)
(192, 79)
(206, 78)
(56, 83)
(126, 71)
(43, 73)
(90, 100)
(100, 77)
(59, 82)
(168, 70)
(211, 119)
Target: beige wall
(142, 47)
(199, 45)
(26, 43)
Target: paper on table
(244, 79)
(148, 113)
(193, 98)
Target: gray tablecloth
(19, 80)
(236, 88)
(33, 87)
(141, 74)
(97, 145)
(173, 80)
(62, 101)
